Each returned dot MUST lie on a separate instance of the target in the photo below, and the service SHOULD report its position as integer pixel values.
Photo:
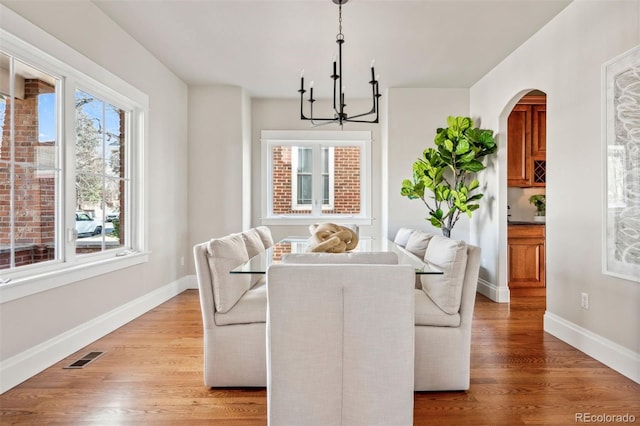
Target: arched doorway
(526, 196)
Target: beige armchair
(340, 342)
(234, 314)
(444, 312)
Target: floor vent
(85, 360)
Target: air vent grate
(85, 360)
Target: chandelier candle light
(340, 116)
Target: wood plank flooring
(151, 375)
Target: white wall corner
(26, 364)
(611, 354)
(493, 292)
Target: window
(68, 194)
(302, 177)
(312, 175)
(29, 165)
(101, 182)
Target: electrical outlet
(181, 260)
(584, 300)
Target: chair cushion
(265, 235)
(429, 314)
(450, 256)
(251, 308)
(253, 242)
(402, 236)
(224, 254)
(418, 242)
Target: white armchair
(234, 312)
(444, 312)
(340, 344)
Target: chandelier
(340, 115)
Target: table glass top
(259, 263)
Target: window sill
(27, 286)
(308, 220)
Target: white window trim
(270, 138)
(77, 71)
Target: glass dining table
(259, 263)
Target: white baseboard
(24, 365)
(191, 282)
(611, 354)
(493, 292)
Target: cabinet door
(519, 146)
(539, 139)
(526, 262)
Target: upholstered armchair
(340, 344)
(444, 313)
(234, 311)
(444, 309)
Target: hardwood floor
(150, 374)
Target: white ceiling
(262, 45)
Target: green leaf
(441, 135)
(465, 123)
(473, 166)
(412, 191)
(448, 145)
(469, 156)
(486, 138)
(463, 147)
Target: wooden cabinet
(519, 149)
(527, 143)
(526, 256)
(539, 131)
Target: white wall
(414, 115)
(31, 321)
(564, 60)
(217, 136)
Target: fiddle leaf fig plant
(444, 178)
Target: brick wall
(346, 181)
(34, 192)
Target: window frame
(317, 138)
(76, 72)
